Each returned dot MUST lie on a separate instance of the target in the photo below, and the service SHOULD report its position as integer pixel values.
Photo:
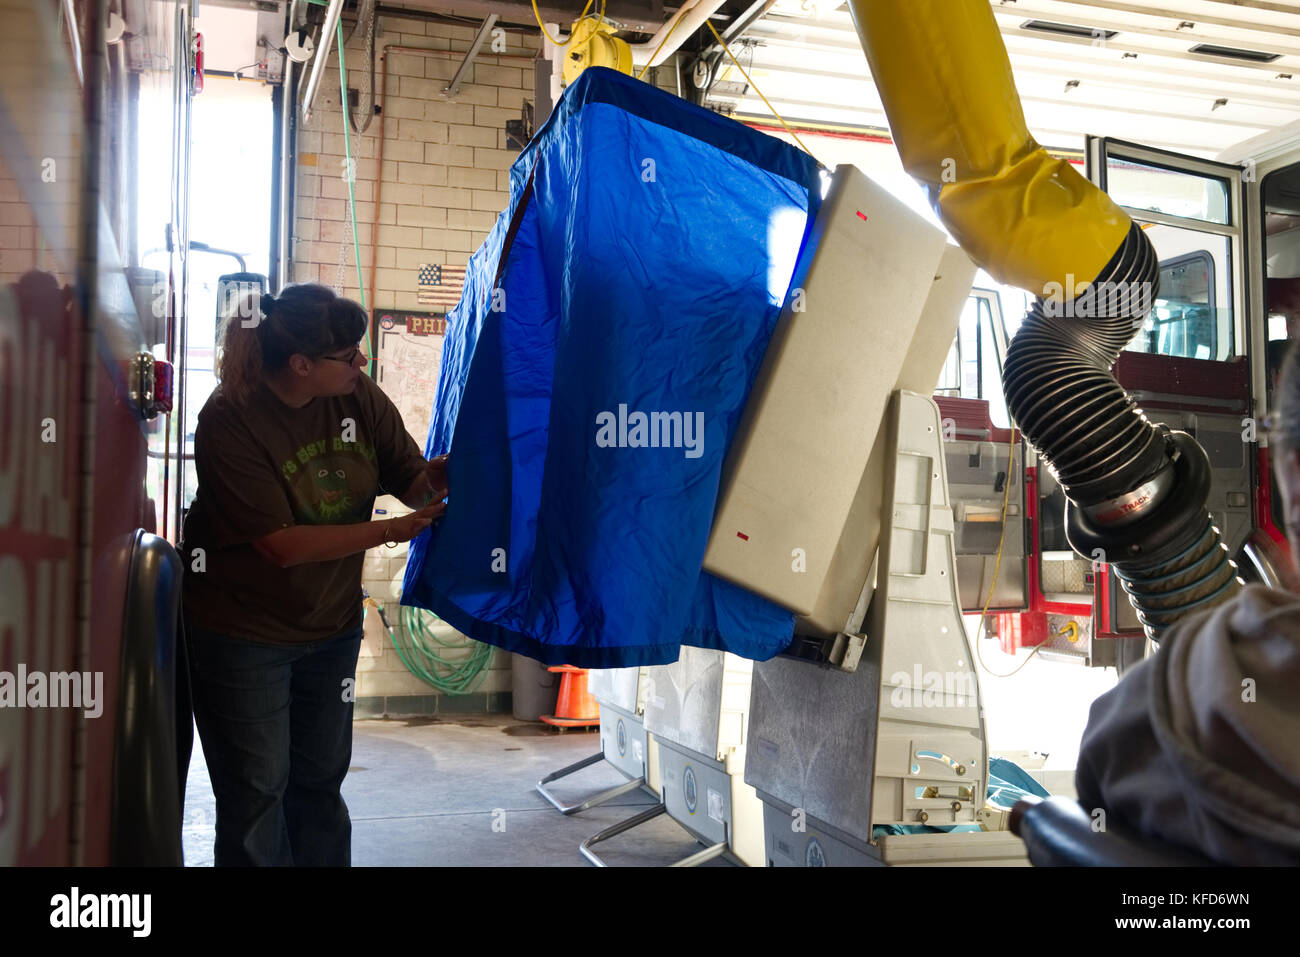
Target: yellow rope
(756, 89)
(541, 26)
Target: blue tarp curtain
(592, 377)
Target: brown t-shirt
(265, 466)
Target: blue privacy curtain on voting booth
(593, 374)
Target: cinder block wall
(17, 230)
(445, 173)
(445, 179)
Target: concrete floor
(428, 791)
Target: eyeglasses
(349, 359)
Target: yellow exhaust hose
(946, 84)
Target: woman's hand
(408, 526)
(430, 485)
(298, 544)
(436, 474)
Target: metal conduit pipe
(322, 55)
(681, 27)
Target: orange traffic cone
(574, 707)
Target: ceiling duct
(1069, 30)
(1250, 56)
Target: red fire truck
(92, 755)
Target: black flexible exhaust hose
(1135, 490)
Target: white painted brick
(447, 197)
(475, 220)
(309, 142)
(363, 147)
(403, 193)
(415, 174)
(332, 231)
(323, 252)
(372, 643)
(406, 64)
(459, 240)
(493, 200)
(428, 42)
(432, 248)
(419, 89)
(442, 68)
(403, 151)
(400, 236)
(489, 75)
(363, 189)
(474, 136)
(374, 565)
(513, 100)
(412, 259)
(423, 216)
(385, 257)
(454, 32)
(402, 108)
(422, 132)
(328, 208)
(366, 169)
(449, 155)
(387, 214)
(493, 159)
(464, 178)
(493, 117)
(446, 111)
(390, 170)
(406, 300)
(395, 24)
(477, 95)
(392, 278)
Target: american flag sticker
(440, 286)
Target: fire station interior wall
(445, 178)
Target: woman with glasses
(290, 450)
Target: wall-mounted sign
(416, 323)
(408, 354)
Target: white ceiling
(1142, 84)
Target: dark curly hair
(260, 332)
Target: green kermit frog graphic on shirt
(333, 483)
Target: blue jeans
(276, 726)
